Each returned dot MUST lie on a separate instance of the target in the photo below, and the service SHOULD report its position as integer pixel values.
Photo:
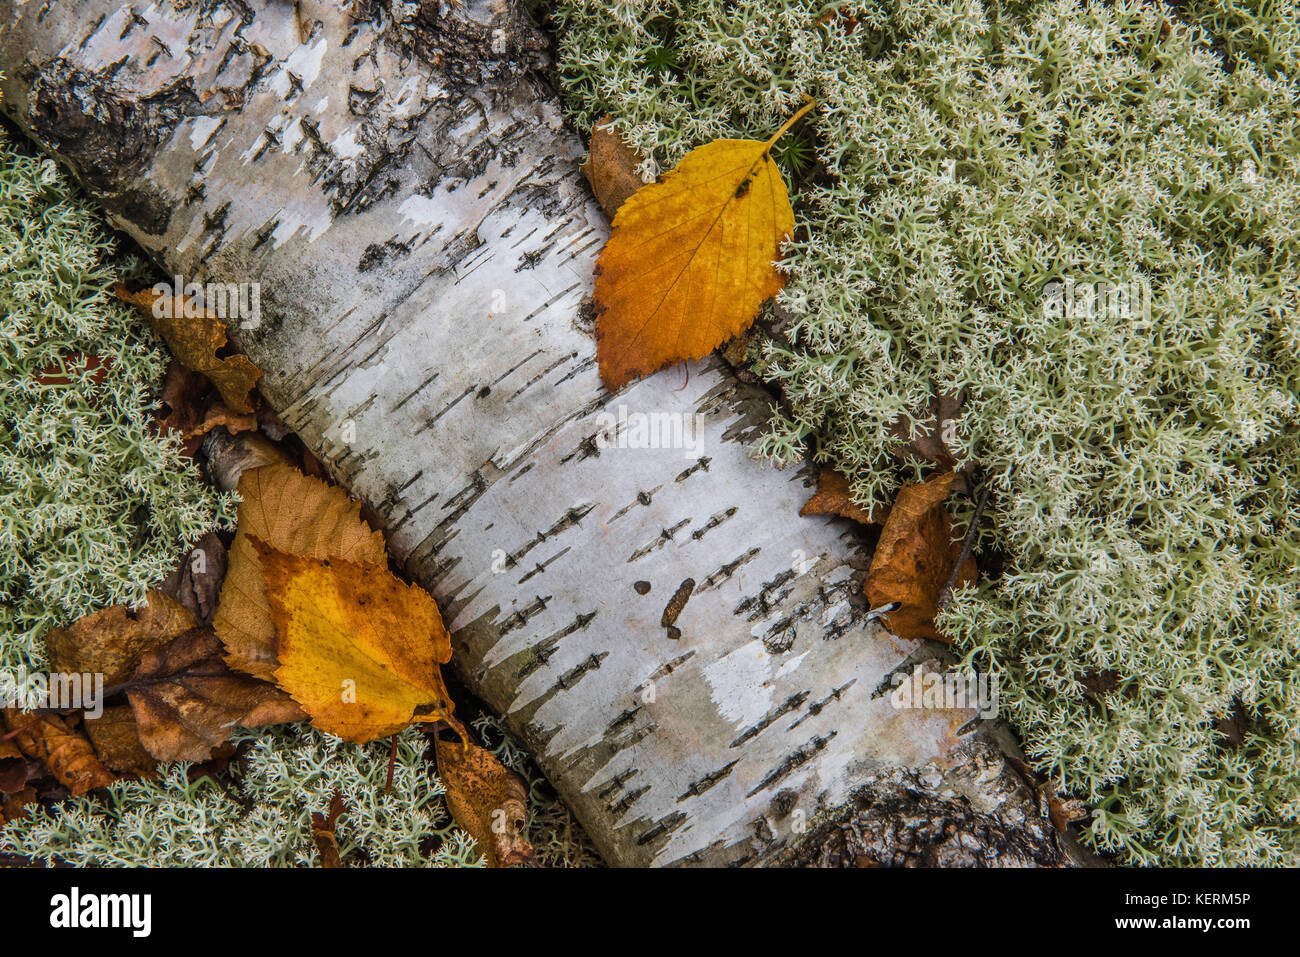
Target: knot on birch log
(922, 818)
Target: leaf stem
(967, 545)
(791, 121)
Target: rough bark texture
(408, 198)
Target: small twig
(945, 595)
(392, 763)
(20, 729)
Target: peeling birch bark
(408, 199)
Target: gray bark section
(408, 199)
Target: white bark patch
(739, 684)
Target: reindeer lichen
(973, 159)
(95, 505)
(263, 819)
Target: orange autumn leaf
(834, 497)
(691, 258)
(487, 799)
(359, 648)
(196, 342)
(915, 557)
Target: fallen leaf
(291, 513)
(13, 768)
(1061, 811)
(117, 741)
(834, 497)
(196, 580)
(196, 342)
(54, 740)
(611, 167)
(691, 258)
(15, 805)
(185, 395)
(1064, 811)
(929, 445)
(218, 414)
(71, 366)
(915, 557)
(358, 648)
(487, 800)
(323, 832)
(187, 701)
(112, 641)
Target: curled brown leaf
(915, 557)
(488, 800)
(57, 742)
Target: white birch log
(407, 197)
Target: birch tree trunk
(401, 186)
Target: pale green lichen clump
(95, 506)
(264, 818)
(258, 814)
(1146, 510)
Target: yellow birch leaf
(359, 648)
(294, 513)
(691, 258)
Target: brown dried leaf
(111, 641)
(487, 800)
(219, 414)
(13, 768)
(196, 580)
(915, 557)
(185, 394)
(57, 743)
(187, 701)
(195, 342)
(929, 446)
(295, 514)
(116, 740)
(611, 167)
(15, 805)
(1064, 811)
(323, 832)
(834, 497)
